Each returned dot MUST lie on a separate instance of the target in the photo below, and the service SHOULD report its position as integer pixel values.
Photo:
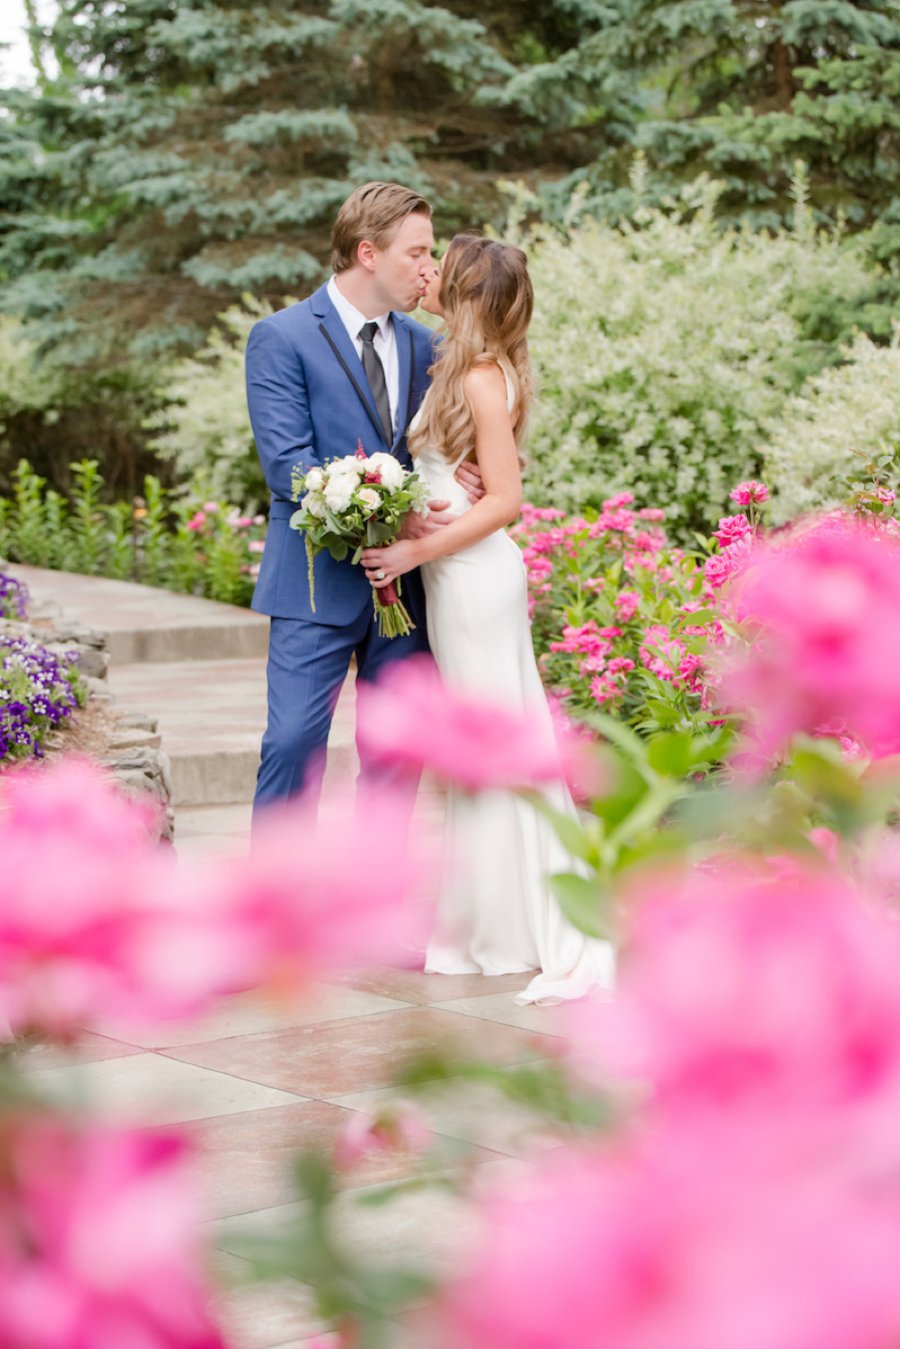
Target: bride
(495, 913)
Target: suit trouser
(308, 663)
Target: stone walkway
(257, 1081)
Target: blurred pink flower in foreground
(823, 613)
(100, 925)
(748, 986)
(755, 1199)
(665, 1241)
(411, 719)
(330, 895)
(99, 1240)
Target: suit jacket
(310, 401)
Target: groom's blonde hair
(375, 212)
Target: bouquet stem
(392, 614)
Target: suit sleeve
(278, 400)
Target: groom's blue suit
(309, 401)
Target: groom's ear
(365, 254)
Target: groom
(346, 365)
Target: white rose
(391, 470)
(315, 506)
(339, 492)
(314, 480)
(369, 498)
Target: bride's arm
(498, 461)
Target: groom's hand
(416, 526)
(468, 476)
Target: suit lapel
(404, 339)
(337, 338)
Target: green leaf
(582, 902)
(671, 754)
(573, 836)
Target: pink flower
(99, 926)
(824, 611)
(677, 1238)
(531, 513)
(652, 513)
(661, 653)
(627, 603)
(752, 492)
(886, 495)
(748, 988)
(731, 528)
(411, 720)
(99, 1240)
(730, 562)
(400, 1127)
(316, 897)
(210, 507)
(621, 499)
(197, 521)
(256, 545)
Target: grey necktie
(375, 375)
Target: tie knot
(368, 330)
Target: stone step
(211, 718)
(143, 623)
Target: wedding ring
(379, 575)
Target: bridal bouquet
(354, 502)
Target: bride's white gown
(495, 913)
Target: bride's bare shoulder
(486, 383)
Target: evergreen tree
(190, 152)
(743, 89)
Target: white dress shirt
(385, 342)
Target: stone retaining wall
(127, 743)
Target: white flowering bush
(666, 349)
(842, 416)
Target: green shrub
(666, 349)
(210, 550)
(204, 429)
(840, 415)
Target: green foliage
(213, 551)
(203, 429)
(842, 415)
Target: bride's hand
(384, 565)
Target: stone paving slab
(144, 623)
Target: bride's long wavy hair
(487, 300)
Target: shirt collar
(351, 317)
